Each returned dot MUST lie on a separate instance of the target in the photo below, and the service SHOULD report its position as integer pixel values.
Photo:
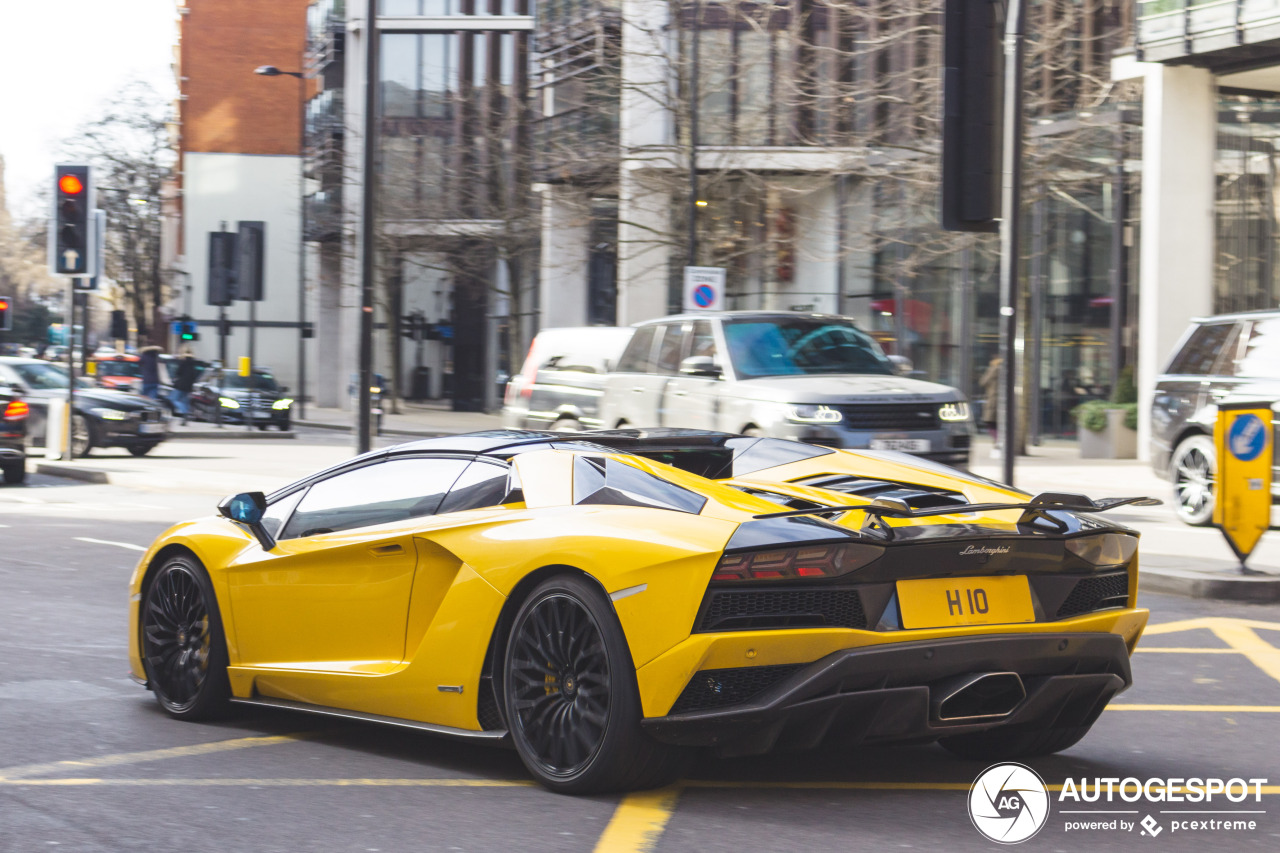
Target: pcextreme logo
(1008, 803)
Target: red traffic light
(4, 305)
(70, 185)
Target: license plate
(906, 445)
(942, 602)
(147, 429)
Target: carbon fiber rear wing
(1036, 509)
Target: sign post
(704, 288)
(1242, 438)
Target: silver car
(560, 385)
(808, 377)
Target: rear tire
(566, 425)
(15, 475)
(141, 449)
(184, 650)
(1003, 745)
(570, 695)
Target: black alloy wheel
(570, 695)
(183, 648)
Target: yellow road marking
(9, 773)
(1240, 634)
(638, 821)
(1218, 709)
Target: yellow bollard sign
(245, 365)
(1242, 510)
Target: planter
(1115, 442)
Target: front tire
(141, 449)
(184, 650)
(570, 695)
(1195, 469)
(82, 439)
(15, 475)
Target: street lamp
(272, 71)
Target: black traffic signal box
(73, 238)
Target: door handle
(679, 393)
(386, 550)
(639, 389)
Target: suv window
(669, 349)
(702, 341)
(1261, 356)
(1200, 354)
(636, 357)
(375, 494)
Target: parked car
(809, 377)
(1229, 357)
(14, 414)
(562, 380)
(102, 418)
(223, 394)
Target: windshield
(788, 346)
(47, 377)
(119, 368)
(255, 382)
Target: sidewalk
(416, 419)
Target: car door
(693, 402)
(632, 393)
(333, 594)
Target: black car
(101, 418)
(1230, 357)
(14, 414)
(223, 394)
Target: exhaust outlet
(977, 696)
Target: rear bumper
(886, 693)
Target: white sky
(60, 60)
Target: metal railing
(1169, 28)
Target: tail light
(16, 411)
(808, 562)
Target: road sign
(704, 288)
(72, 239)
(1243, 439)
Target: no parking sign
(704, 288)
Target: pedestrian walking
(990, 383)
(149, 361)
(184, 379)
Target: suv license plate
(147, 429)
(942, 602)
(906, 445)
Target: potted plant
(1109, 428)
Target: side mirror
(902, 365)
(701, 365)
(247, 508)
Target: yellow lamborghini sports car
(606, 601)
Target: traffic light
(119, 326)
(73, 238)
(973, 32)
(6, 314)
(188, 329)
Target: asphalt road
(89, 763)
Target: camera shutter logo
(1008, 803)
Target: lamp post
(272, 71)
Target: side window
(482, 484)
(702, 341)
(278, 512)
(669, 349)
(1200, 354)
(376, 494)
(635, 359)
(1261, 355)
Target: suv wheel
(1194, 469)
